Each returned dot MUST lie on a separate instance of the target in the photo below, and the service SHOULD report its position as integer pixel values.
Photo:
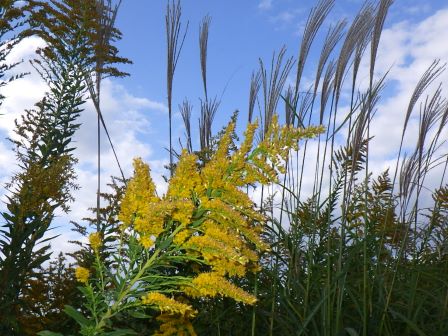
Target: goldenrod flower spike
(140, 192)
(273, 151)
(146, 241)
(141, 207)
(168, 305)
(95, 241)
(183, 211)
(186, 179)
(174, 325)
(82, 274)
(212, 284)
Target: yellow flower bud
(95, 241)
(82, 274)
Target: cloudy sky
(241, 32)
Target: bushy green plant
(357, 255)
(188, 243)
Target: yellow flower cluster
(172, 325)
(241, 171)
(186, 179)
(151, 220)
(246, 221)
(168, 305)
(182, 236)
(213, 284)
(230, 222)
(141, 207)
(277, 142)
(208, 214)
(223, 250)
(183, 211)
(82, 274)
(95, 241)
(140, 193)
(146, 241)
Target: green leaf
(351, 332)
(139, 315)
(409, 323)
(76, 315)
(48, 333)
(120, 332)
(165, 243)
(198, 222)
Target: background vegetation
(362, 254)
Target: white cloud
(407, 49)
(265, 4)
(284, 17)
(418, 9)
(128, 119)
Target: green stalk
(254, 309)
(114, 308)
(254, 313)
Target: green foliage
(84, 25)
(78, 39)
(108, 227)
(188, 244)
(46, 174)
(45, 180)
(45, 296)
(356, 255)
(12, 17)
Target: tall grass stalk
(174, 40)
(351, 255)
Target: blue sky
(241, 32)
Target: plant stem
(113, 309)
